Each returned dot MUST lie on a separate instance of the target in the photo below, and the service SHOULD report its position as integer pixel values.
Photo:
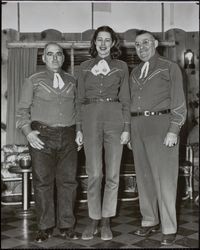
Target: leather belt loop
(150, 113)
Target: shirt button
(139, 97)
(60, 113)
(101, 84)
(139, 108)
(100, 91)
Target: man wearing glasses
(158, 110)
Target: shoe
(106, 233)
(144, 231)
(168, 239)
(49, 232)
(68, 233)
(90, 230)
(89, 233)
(41, 236)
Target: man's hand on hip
(34, 140)
(171, 139)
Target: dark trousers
(156, 171)
(56, 164)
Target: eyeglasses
(145, 43)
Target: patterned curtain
(22, 62)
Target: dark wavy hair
(115, 51)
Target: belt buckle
(147, 113)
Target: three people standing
(150, 104)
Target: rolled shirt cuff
(174, 128)
(127, 127)
(78, 127)
(26, 129)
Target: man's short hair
(51, 43)
(141, 32)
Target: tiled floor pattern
(18, 232)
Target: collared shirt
(41, 102)
(161, 89)
(113, 85)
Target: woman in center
(103, 122)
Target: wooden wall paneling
(193, 77)
(51, 35)
(72, 59)
(128, 51)
(25, 37)
(87, 35)
(192, 42)
(195, 40)
(180, 38)
(130, 35)
(170, 52)
(158, 35)
(72, 36)
(12, 35)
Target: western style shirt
(40, 101)
(161, 89)
(112, 85)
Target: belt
(41, 125)
(149, 113)
(93, 100)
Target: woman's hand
(79, 140)
(125, 137)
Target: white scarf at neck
(101, 68)
(58, 81)
(144, 70)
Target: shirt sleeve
(178, 102)
(124, 97)
(80, 98)
(23, 109)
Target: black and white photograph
(99, 124)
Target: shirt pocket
(164, 75)
(68, 91)
(44, 92)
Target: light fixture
(189, 59)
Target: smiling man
(158, 110)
